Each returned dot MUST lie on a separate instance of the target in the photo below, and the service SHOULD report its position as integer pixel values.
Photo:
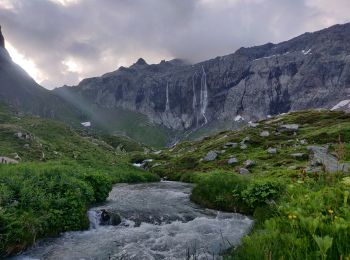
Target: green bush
(259, 192)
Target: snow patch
(239, 118)
(341, 104)
(306, 52)
(86, 124)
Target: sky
(60, 42)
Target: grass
(298, 215)
(61, 173)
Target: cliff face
(309, 71)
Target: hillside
(289, 172)
(55, 173)
(307, 72)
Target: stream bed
(158, 222)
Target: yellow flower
(294, 216)
(330, 211)
(290, 216)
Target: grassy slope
(60, 174)
(306, 212)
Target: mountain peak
(2, 40)
(141, 61)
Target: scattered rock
(243, 146)
(243, 171)
(222, 151)
(251, 124)
(211, 156)
(264, 134)
(299, 155)
(271, 150)
(288, 127)
(303, 141)
(108, 217)
(232, 160)
(7, 160)
(17, 157)
(249, 163)
(245, 139)
(230, 144)
(26, 146)
(156, 165)
(293, 167)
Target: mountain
(309, 71)
(20, 91)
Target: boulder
(264, 134)
(243, 171)
(230, 144)
(299, 155)
(249, 163)
(321, 157)
(7, 160)
(271, 150)
(232, 160)
(108, 217)
(288, 127)
(243, 146)
(211, 156)
(303, 141)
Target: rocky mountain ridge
(309, 71)
(20, 91)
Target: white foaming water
(158, 222)
(204, 95)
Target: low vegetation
(60, 173)
(300, 210)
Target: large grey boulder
(243, 171)
(321, 157)
(272, 150)
(211, 156)
(264, 134)
(232, 160)
(249, 163)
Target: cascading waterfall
(194, 101)
(167, 107)
(204, 96)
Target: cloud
(68, 40)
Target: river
(158, 222)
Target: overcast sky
(63, 41)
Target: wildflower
(290, 216)
(294, 216)
(330, 211)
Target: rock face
(309, 71)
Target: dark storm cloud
(72, 39)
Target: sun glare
(27, 64)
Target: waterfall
(167, 108)
(194, 101)
(204, 96)
(94, 218)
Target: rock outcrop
(309, 71)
